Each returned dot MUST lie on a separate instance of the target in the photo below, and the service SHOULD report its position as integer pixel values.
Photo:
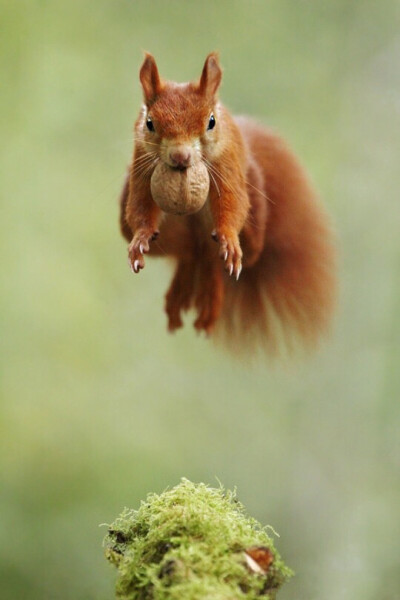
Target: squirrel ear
(150, 78)
(211, 75)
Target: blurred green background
(99, 404)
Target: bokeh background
(99, 405)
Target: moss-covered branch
(193, 542)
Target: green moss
(189, 543)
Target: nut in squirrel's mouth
(179, 167)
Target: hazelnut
(180, 192)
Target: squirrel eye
(149, 124)
(211, 122)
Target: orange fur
(261, 210)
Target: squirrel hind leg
(209, 297)
(195, 284)
(179, 296)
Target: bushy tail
(289, 295)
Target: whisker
(221, 177)
(138, 139)
(259, 191)
(223, 180)
(159, 246)
(215, 183)
(146, 169)
(263, 194)
(144, 158)
(142, 169)
(212, 176)
(148, 153)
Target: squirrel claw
(235, 268)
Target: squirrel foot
(139, 246)
(206, 317)
(175, 302)
(204, 323)
(209, 300)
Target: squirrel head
(180, 121)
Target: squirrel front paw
(139, 246)
(230, 251)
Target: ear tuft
(150, 78)
(211, 75)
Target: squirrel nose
(180, 157)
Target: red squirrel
(261, 214)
